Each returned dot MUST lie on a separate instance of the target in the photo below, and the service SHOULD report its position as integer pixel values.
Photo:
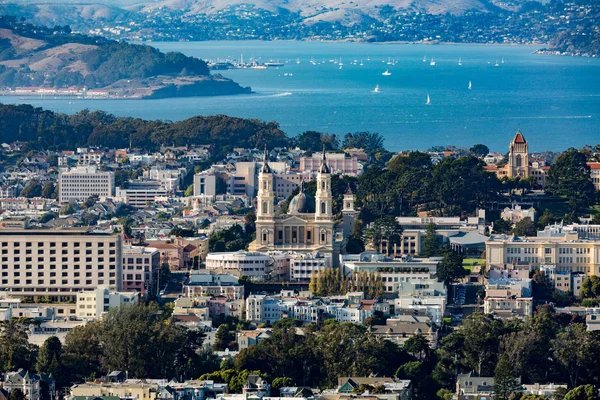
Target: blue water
(555, 101)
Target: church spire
(266, 169)
(323, 168)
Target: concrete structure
(140, 194)
(94, 303)
(469, 387)
(205, 183)
(564, 281)
(307, 227)
(38, 334)
(141, 266)
(592, 319)
(567, 252)
(82, 182)
(304, 265)
(338, 163)
(58, 263)
(393, 272)
(509, 298)
(262, 308)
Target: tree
(573, 350)
(49, 359)
(479, 150)
(82, 352)
(384, 229)
(67, 209)
(590, 287)
(547, 218)
(32, 189)
(569, 177)
(17, 394)
(90, 201)
(49, 191)
(15, 350)
(430, 242)
(189, 191)
(524, 227)
(280, 382)
(223, 338)
(450, 268)
(584, 392)
(417, 346)
(314, 141)
(505, 383)
(502, 226)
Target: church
(307, 227)
(519, 164)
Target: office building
(80, 183)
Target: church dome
(302, 203)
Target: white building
(257, 266)
(338, 163)
(304, 265)
(140, 194)
(516, 213)
(94, 303)
(82, 182)
(205, 183)
(141, 267)
(509, 298)
(262, 308)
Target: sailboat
(386, 73)
(459, 61)
(432, 63)
(361, 63)
(428, 99)
(298, 60)
(495, 65)
(470, 85)
(389, 62)
(502, 60)
(340, 63)
(376, 90)
(424, 59)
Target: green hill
(34, 56)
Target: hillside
(35, 56)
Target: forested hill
(32, 55)
(45, 129)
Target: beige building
(338, 163)
(93, 303)
(307, 227)
(58, 263)
(138, 390)
(82, 182)
(595, 174)
(567, 252)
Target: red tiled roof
(594, 165)
(519, 137)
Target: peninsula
(36, 60)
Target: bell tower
(348, 212)
(518, 157)
(324, 199)
(265, 200)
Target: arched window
(322, 184)
(265, 236)
(518, 161)
(265, 185)
(323, 236)
(265, 207)
(323, 208)
(348, 205)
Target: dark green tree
(583, 392)
(280, 382)
(502, 226)
(524, 227)
(223, 338)
(17, 394)
(15, 350)
(32, 189)
(479, 150)
(384, 229)
(450, 268)
(569, 177)
(430, 242)
(505, 383)
(49, 359)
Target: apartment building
(93, 303)
(58, 263)
(304, 265)
(205, 183)
(200, 285)
(82, 182)
(257, 266)
(141, 266)
(140, 194)
(567, 252)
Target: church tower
(324, 199)
(265, 203)
(348, 212)
(518, 157)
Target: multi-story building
(82, 182)
(141, 266)
(93, 304)
(263, 308)
(392, 271)
(205, 184)
(516, 213)
(28, 383)
(567, 252)
(509, 298)
(213, 285)
(338, 163)
(141, 194)
(303, 266)
(256, 266)
(58, 263)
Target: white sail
(428, 99)
(470, 86)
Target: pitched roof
(519, 138)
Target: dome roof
(302, 203)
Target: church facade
(307, 227)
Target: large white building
(93, 303)
(273, 265)
(82, 182)
(205, 184)
(140, 194)
(58, 263)
(338, 163)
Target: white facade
(82, 182)
(92, 304)
(262, 308)
(304, 265)
(516, 214)
(205, 183)
(257, 266)
(140, 194)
